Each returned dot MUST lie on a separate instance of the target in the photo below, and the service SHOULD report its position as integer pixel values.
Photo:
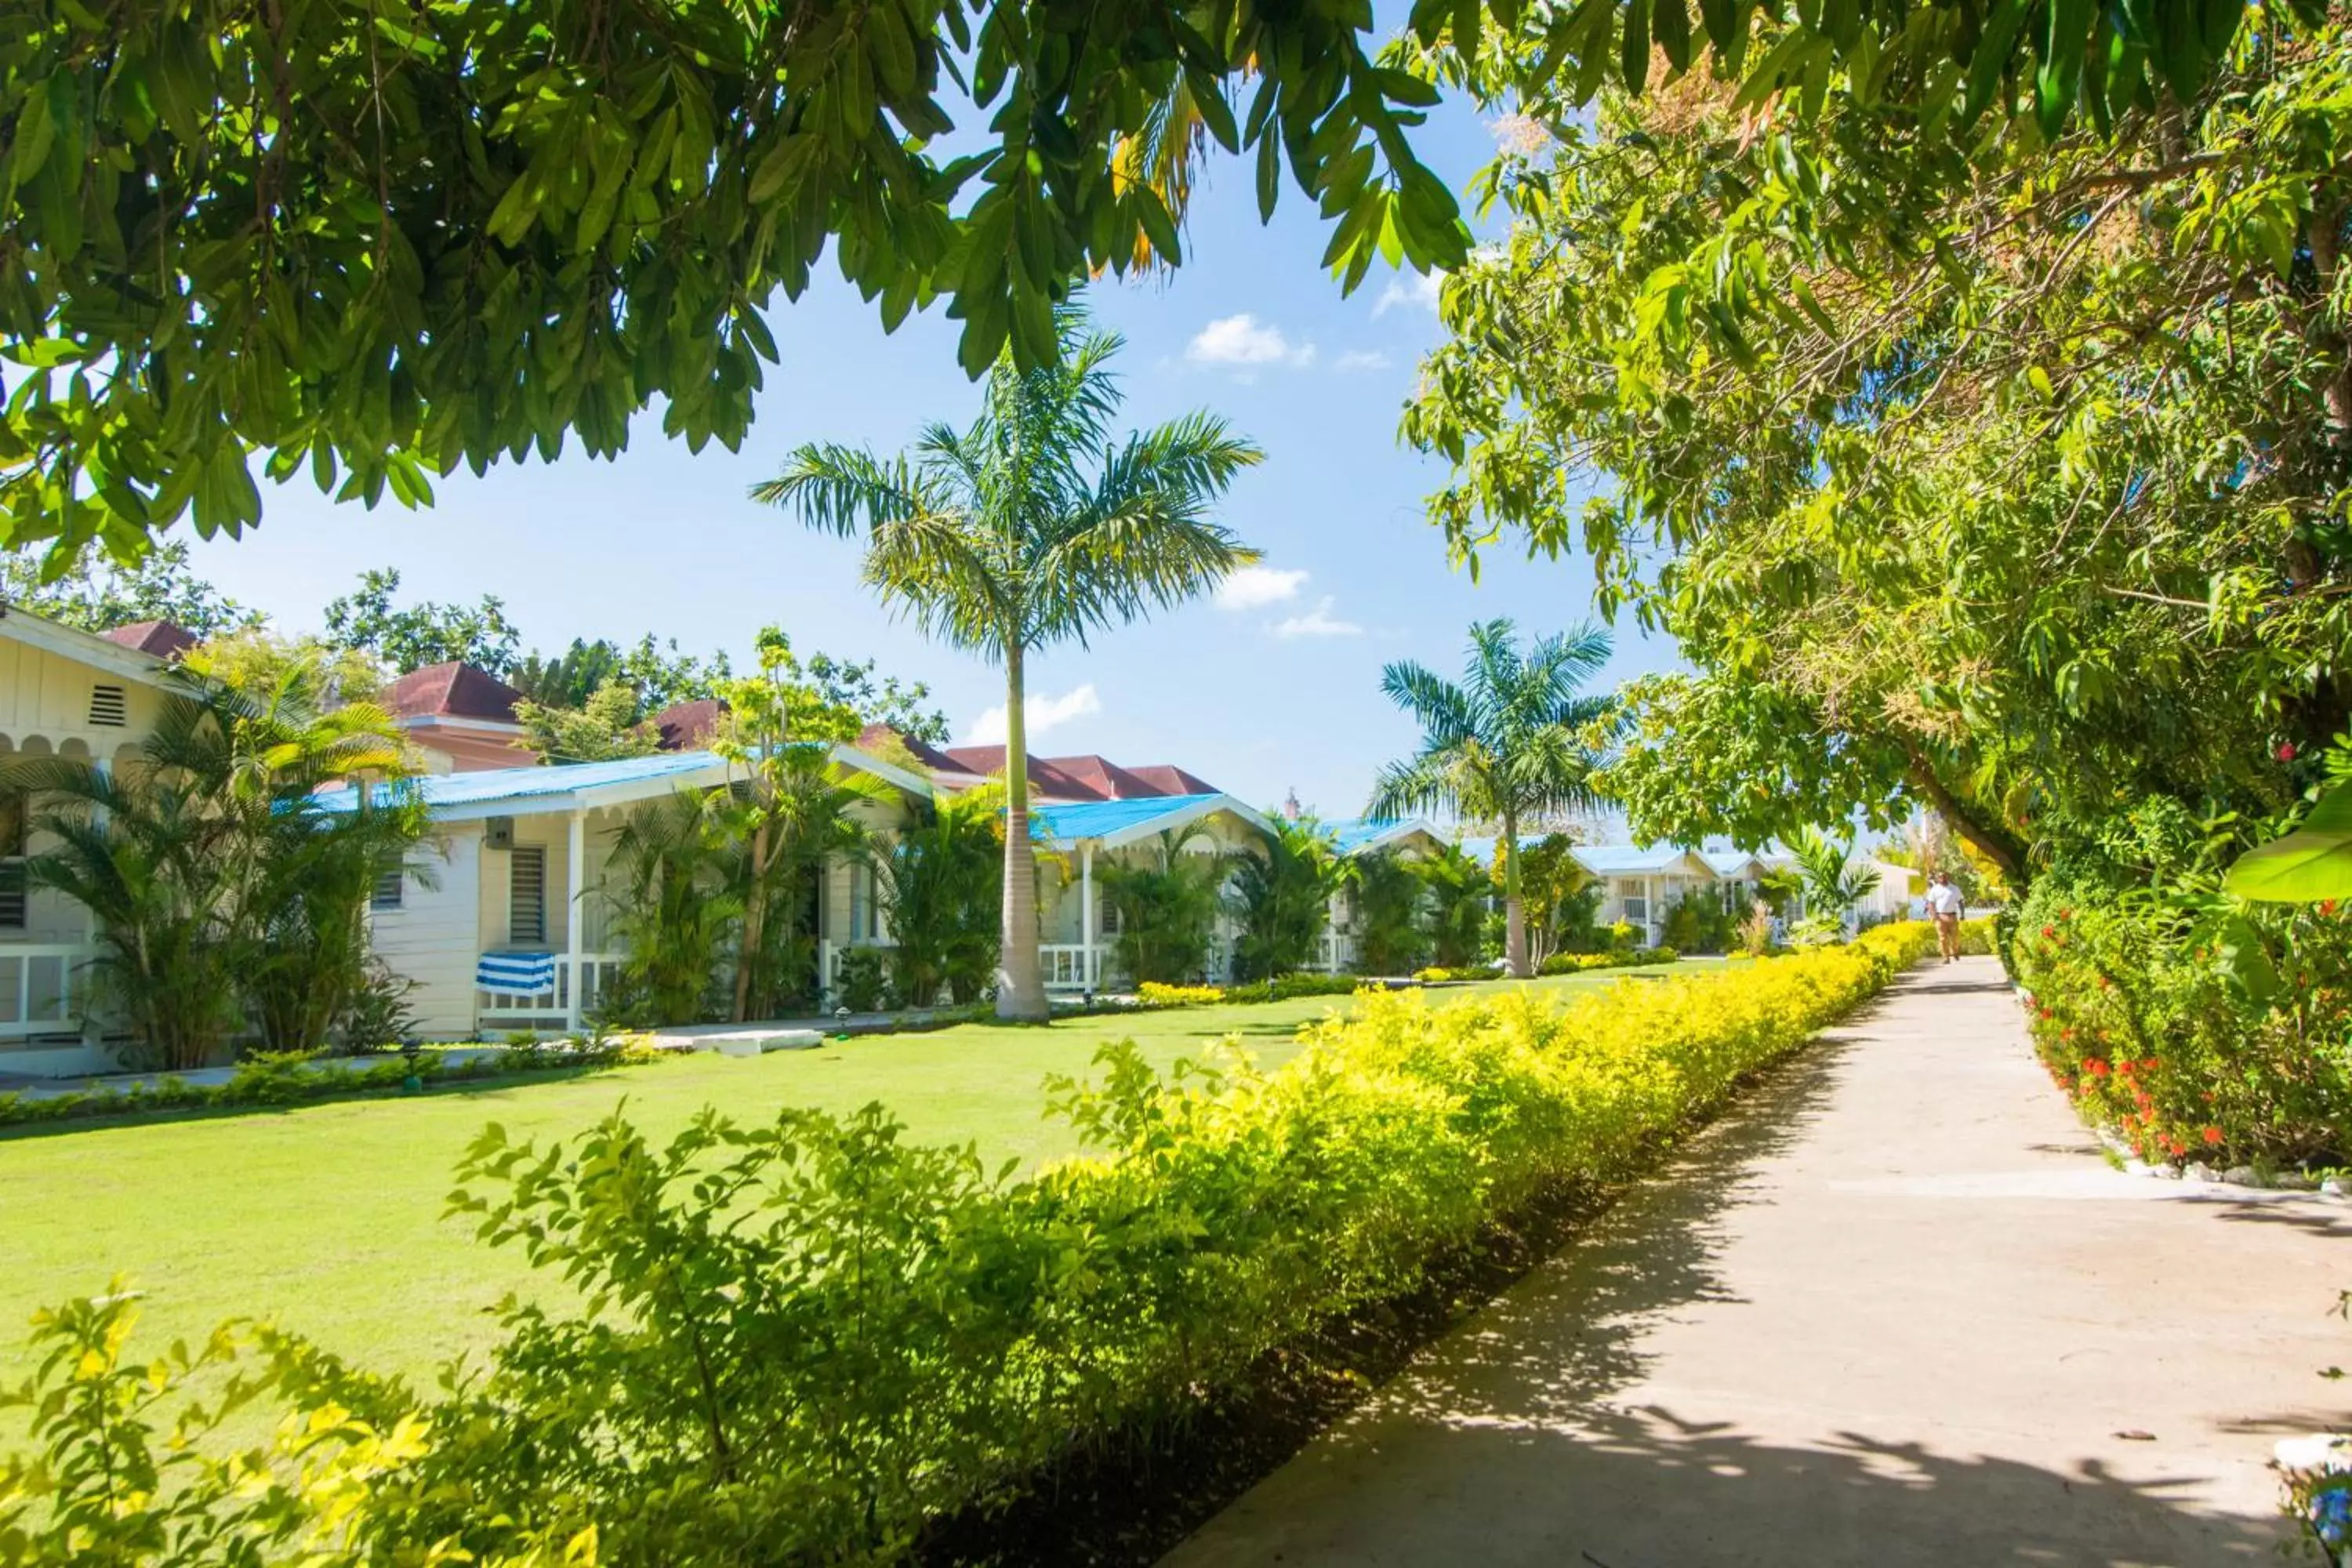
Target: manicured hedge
(1616, 958)
(291, 1078)
(801, 1340)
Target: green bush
(2228, 1040)
(1978, 938)
(1283, 988)
(861, 979)
(801, 1340)
(282, 1078)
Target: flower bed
(804, 1340)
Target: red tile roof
(161, 638)
(687, 726)
(1166, 778)
(1086, 777)
(452, 691)
(882, 741)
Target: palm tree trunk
(1515, 912)
(1020, 990)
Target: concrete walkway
(1897, 1310)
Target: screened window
(1633, 898)
(527, 894)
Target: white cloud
(1417, 290)
(1362, 359)
(1043, 714)
(1245, 341)
(1255, 587)
(1318, 622)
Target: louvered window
(527, 894)
(387, 895)
(110, 706)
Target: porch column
(575, 866)
(1086, 914)
(1649, 911)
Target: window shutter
(527, 894)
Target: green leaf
(2311, 863)
(1671, 23)
(1633, 52)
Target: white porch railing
(41, 986)
(1339, 952)
(551, 1008)
(1071, 965)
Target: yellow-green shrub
(1159, 994)
(799, 1342)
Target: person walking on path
(1945, 907)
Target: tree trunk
(1515, 910)
(1994, 843)
(755, 904)
(1020, 990)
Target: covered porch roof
(584, 786)
(1635, 860)
(1108, 824)
(1369, 835)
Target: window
(1634, 900)
(861, 902)
(12, 860)
(387, 895)
(527, 894)
(110, 706)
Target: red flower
(2212, 1135)
(2098, 1068)
(2149, 1065)
(2067, 913)
(2049, 931)
(2327, 906)
(2286, 751)
(2067, 1033)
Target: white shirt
(1943, 899)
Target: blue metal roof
(445, 790)
(1353, 834)
(1626, 859)
(1724, 862)
(1067, 822)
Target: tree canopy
(2013, 483)
(374, 244)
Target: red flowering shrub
(2153, 1025)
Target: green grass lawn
(327, 1217)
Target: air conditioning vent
(109, 708)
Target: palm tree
(224, 890)
(1506, 745)
(1281, 900)
(1034, 526)
(1833, 879)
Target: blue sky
(1259, 696)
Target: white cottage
(498, 919)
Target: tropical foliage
(229, 898)
(1561, 899)
(604, 727)
(786, 813)
(1835, 878)
(1164, 907)
(1033, 526)
(1279, 896)
(2052, 526)
(1458, 888)
(666, 884)
(1386, 914)
(806, 1338)
(941, 878)
(1511, 741)
(495, 228)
